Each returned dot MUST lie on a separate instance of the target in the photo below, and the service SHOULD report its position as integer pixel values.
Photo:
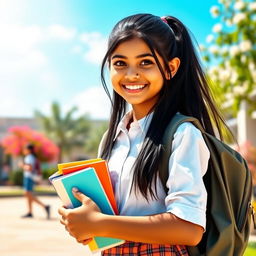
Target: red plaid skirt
(134, 249)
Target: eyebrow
(138, 56)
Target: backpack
(228, 183)
(38, 170)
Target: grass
(251, 249)
(18, 191)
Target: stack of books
(92, 178)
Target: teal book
(89, 184)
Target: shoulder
(189, 138)
(188, 129)
(29, 159)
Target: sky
(51, 50)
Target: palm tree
(66, 131)
(95, 137)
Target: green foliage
(233, 47)
(46, 173)
(65, 130)
(94, 138)
(251, 249)
(16, 177)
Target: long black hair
(187, 92)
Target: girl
(154, 68)
(29, 168)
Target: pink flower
(19, 136)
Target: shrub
(16, 177)
(47, 172)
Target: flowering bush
(231, 50)
(248, 151)
(19, 136)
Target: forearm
(27, 167)
(163, 228)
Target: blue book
(89, 184)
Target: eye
(146, 62)
(119, 63)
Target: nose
(132, 74)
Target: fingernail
(75, 189)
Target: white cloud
(77, 49)
(92, 101)
(60, 32)
(30, 81)
(19, 49)
(97, 45)
(13, 104)
(19, 40)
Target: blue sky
(51, 49)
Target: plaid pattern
(134, 249)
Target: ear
(174, 66)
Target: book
(102, 171)
(88, 182)
(70, 164)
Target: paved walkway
(37, 236)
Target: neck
(138, 113)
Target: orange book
(70, 164)
(102, 171)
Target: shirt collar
(142, 123)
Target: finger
(78, 195)
(87, 241)
(63, 222)
(63, 211)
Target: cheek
(155, 76)
(115, 77)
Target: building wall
(246, 125)
(6, 123)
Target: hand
(82, 222)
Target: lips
(134, 87)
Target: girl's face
(26, 151)
(135, 75)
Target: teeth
(134, 87)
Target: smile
(134, 87)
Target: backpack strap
(170, 130)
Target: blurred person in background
(5, 173)
(29, 166)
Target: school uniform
(186, 197)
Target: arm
(25, 167)
(87, 221)
(163, 228)
(27, 164)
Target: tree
(95, 138)
(66, 131)
(231, 52)
(19, 136)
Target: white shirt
(30, 160)
(188, 163)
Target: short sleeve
(188, 163)
(30, 159)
